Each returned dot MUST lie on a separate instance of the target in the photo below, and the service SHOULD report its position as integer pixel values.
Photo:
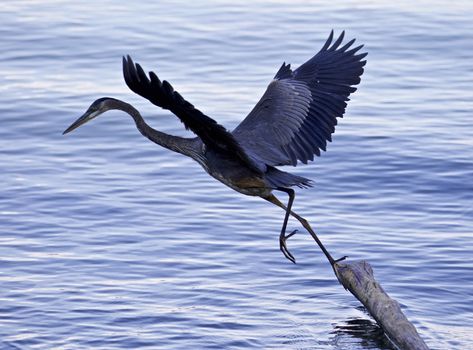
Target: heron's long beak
(81, 120)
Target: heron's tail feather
(277, 178)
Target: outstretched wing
(162, 94)
(298, 112)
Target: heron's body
(235, 176)
(292, 122)
(242, 179)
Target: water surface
(110, 242)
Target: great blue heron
(293, 121)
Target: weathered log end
(358, 278)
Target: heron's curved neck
(178, 144)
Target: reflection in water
(367, 332)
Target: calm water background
(110, 242)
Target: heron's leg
(283, 237)
(304, 223)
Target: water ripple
(110, 242)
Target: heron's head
(96, 108)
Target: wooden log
(358, 278)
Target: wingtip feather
(141, 75)
(347, 45)
(337, 42)
(328, 42)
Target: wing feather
(162, 94)
(298, 112)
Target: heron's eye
(92, 109)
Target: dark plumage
(292, 121)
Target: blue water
(108, 241)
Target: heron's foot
(282, 245)
(341, 259)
